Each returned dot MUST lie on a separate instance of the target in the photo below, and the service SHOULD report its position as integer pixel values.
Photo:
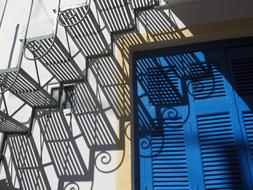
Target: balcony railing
(82, 26)
(117, 15)
(26, 88)
(53, 55)
(10, 125)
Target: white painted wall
(186, 14)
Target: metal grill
(55, 58)
(26, 88)
(10, 125)
(142, 4)
(81, 25)
(116, 15)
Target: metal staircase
(22, 85)
(10, 125)
(53, 55)
(79, 22)
(82, 26)
(117, 15)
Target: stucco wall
(108, 89)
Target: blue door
(194, 119)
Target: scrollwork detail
(170, 113)
(105, 158)
(72, 15)
(72, 186)
(127, 131)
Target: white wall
(34, 152)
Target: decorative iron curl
(172, 113)
(105, 158)
(146, 143)
(71, 14)
(71, 186)
(34, 46)
(200, 87)
(127, 128)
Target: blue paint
(194, 120)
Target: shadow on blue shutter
(187, 130)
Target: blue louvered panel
(169, 162)
(248, 123)
(218, 152)
(241, 67)
(211, 85)
(243, 75)
(216, 145)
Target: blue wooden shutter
(241, 68)
(162, 154)
(169, 163)
(212, 148)
(218, 151)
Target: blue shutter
(248, 124)
(218, 152)
(212, 110)
(211, 85)
(194, 120)
(241, 69)
(161, 149)
(169, 163)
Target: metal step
(81, 25)
(26, 88)
(50, 51)
(117, 15)
(10, 125)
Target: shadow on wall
(62, 148)
(113, 81)
(27, 163)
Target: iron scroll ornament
(68, 14)
(171, 114)
(71, 14)
(71, 186)
(105, 158)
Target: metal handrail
(59, 14)
(38, 42)
(20, 60)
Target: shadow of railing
(124, 43)
(27, 163)
(164, 85)
(92, 120)
(113, 83)
(62, 148)
(160, 25)
(6, 184)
